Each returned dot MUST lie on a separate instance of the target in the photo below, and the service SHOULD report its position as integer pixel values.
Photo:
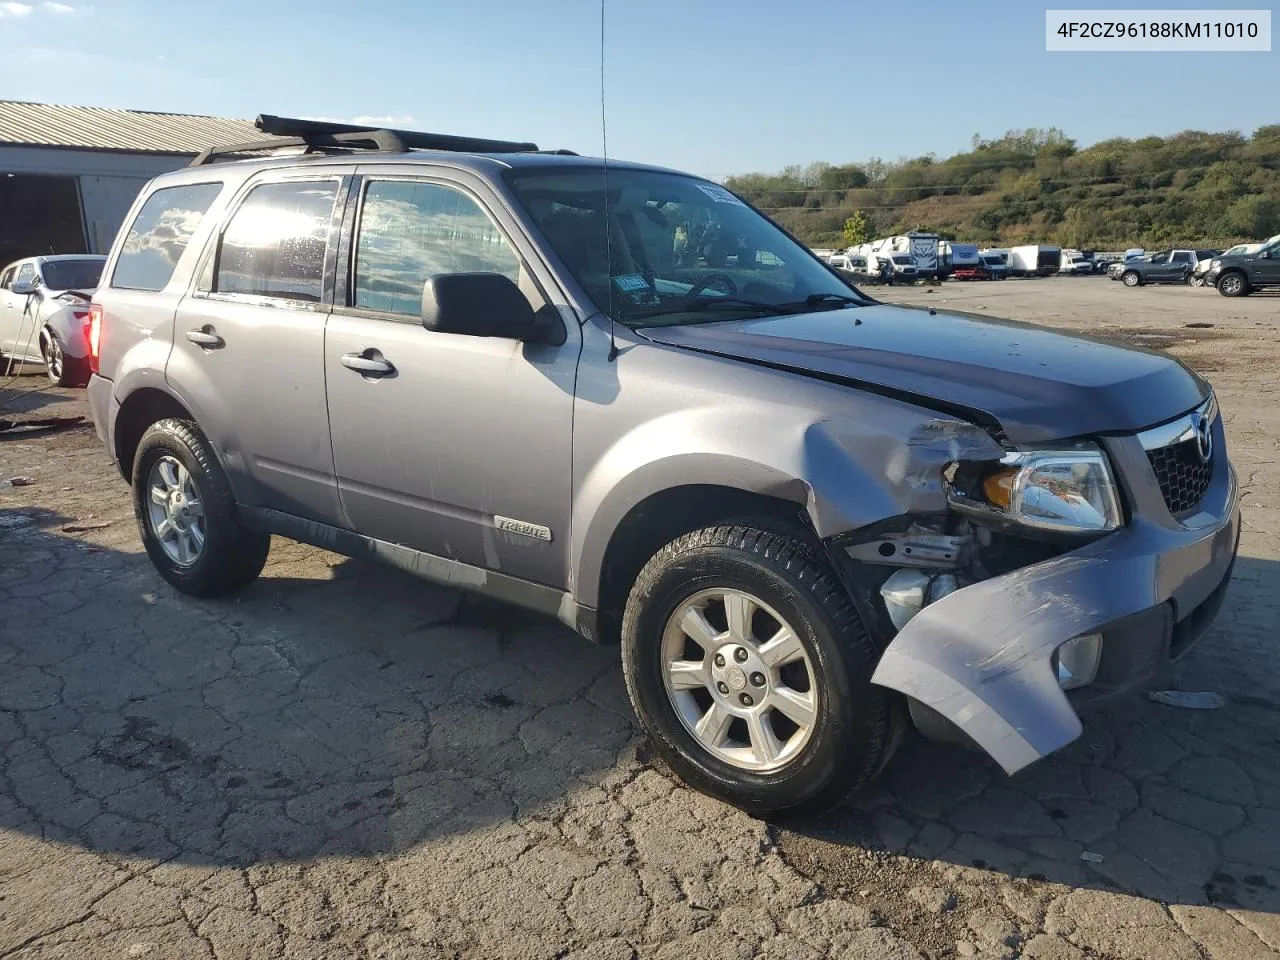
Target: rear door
(1180, 264)
(461, 447)
(248, 347)
(8, 315)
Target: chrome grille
(1178, 456)
(1183, 476)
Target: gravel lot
(348, 762)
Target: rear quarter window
(159, 235)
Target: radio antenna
(604, 150)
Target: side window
(6, 278)
(275, 243)
(159, 235)
(411, 231)
(1182, 258)
(27, 272)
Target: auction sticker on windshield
(719, 194)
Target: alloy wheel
(174, 511)
(740, 679)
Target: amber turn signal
(998, 488)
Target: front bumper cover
(981, 657)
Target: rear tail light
(93, 333)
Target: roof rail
(321, 135)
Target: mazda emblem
(1204, 438)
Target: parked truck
(1034, 260)
(959, 260)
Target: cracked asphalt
(346, 762)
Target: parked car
(1241, 274)
(44, 312)
(1204, 260)
(806, 515)
(1168, 266)
(1073, 262)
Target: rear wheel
(750, 670)
(1233, 284)
(63, 371)
(1131, 279)
(1195, 280)
(187, 514)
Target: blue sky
(704, 85)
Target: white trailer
(921, 247)
(1034, 260)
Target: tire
(854, 727)
(1233, 284)
(1131, 279)
(230, 556)
(1195, 280)
(62, 371)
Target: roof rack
(322, 136)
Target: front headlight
(1062, 491)
(1215, 264)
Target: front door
(249, 344)
(1267, 269)
(455, 445)
(18, 337)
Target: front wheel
(1195, 280)
(187, 514)
(750, 669)
(1233, 285)
(1131, 279)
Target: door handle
(206, 338)
(367, 365)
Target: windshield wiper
(835, 299)
(700, 305)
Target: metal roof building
(69, 174)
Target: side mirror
(24, 288)
(486, 305)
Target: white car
(44, 315)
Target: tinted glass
(410, 232)
(27, 272)
(160, 233)
(1182, 258)
(72, 274)
(274, 245)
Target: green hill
(1038, 186)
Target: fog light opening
(1076, 661)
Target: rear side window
(410, 232)
(160, 234)
(275, 244)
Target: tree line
(1039, 186)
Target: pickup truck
(1167, 266)
(1241, 274)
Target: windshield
(901, 259)
(72, 274)
(679, 250)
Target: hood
(1027, 382)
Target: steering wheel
(719, 280)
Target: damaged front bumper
(982, 657)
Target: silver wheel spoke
(687, 675)
(159, 496)
(713, 727)
(195, 508)
(169, 474)
(765, 745)
(738, 608)
(184, 546)
(796, 706)
(782, 648)
(164, 529)
(695, 626)
(197, 538)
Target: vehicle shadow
(1176, 805)
(335, 708)
(339, 709)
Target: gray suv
(623, 397)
